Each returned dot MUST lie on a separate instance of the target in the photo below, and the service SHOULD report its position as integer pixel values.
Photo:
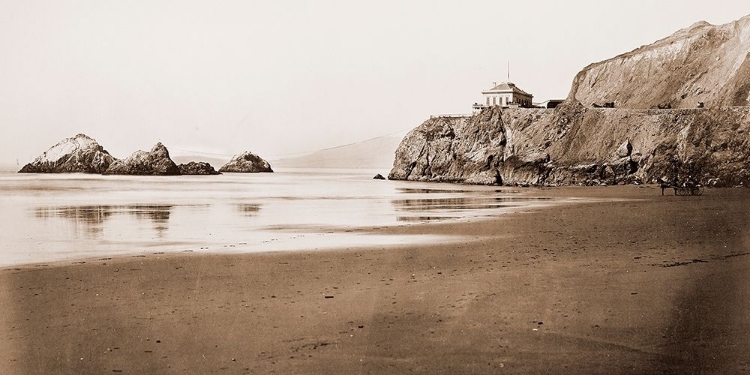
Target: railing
(451, 115)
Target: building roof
(505, 87)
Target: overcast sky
(283, 77)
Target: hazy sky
(283, 77)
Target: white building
(505, 95)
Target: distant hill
(370, 154)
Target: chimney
(494, 84)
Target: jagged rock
(378, 177)
(624, 150)
(246, 162)
(80, 153)
(197, 168)
(703, 63)
(451, 149)
(154, 162)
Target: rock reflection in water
(248, 209)
(453, 191)
(428, 191)
(458, 203)
(432, 209)
(419, 219)
(93, 217)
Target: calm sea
(46, 217)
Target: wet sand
(647, 285)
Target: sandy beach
(648, 284)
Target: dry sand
(649, 285)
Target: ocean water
(47, 217)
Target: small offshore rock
(378, 177)
(246, 162)
(197, 168)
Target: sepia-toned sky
(285, 77)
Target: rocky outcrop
(154, 162)
(246, 162)
(573, 144)
(197, 168)
(700, 64)
(78, 154)
(450, 149)
(648, 126)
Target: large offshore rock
(80, 153)
(197, 168)
(246, 162)
(154, 162)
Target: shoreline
(372, 231)
(648, 284)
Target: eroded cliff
(573, 144)
(701, 63)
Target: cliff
(154, 162)
(631, 143)
(702, 63)
(573, 144)
(80, 153)
(246, 162)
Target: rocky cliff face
(197, 168)
(573, 144)
(631, 143)
(246, 162)
(449, 149)
(702, 63)
(154, 162)
(80, 153)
